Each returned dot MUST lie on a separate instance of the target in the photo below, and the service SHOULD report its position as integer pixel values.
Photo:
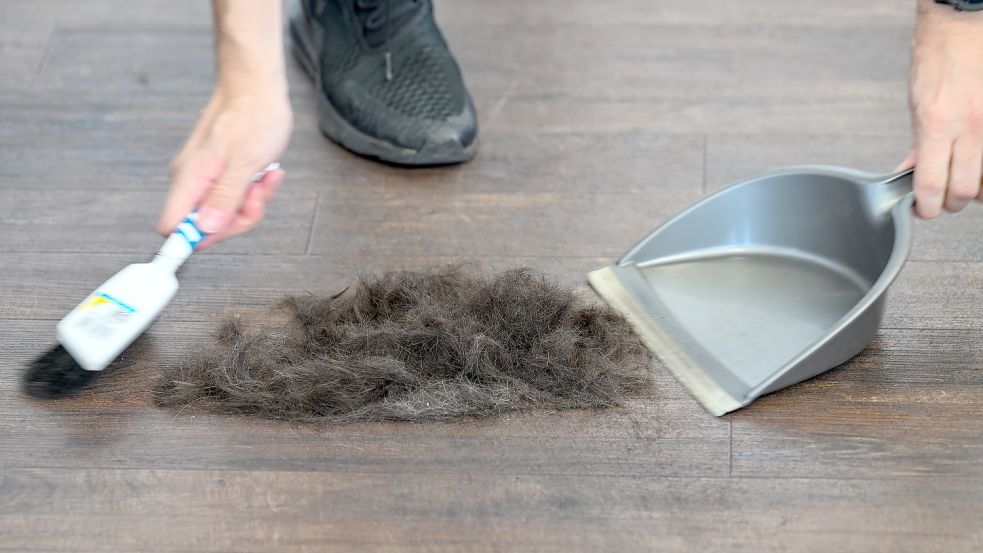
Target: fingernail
(212, 219)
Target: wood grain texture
(50, 220)
(714, 13)
(927, 295)
(214, 283)
(732, 157)
(896, 409)
(527, 513)
(435, 223)
(598, 122)
(22, 50)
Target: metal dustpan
(768, 282)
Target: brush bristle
(55, 374)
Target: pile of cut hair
(412, 346)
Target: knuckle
(224, 196)
(930, 185)
(974, 119)
(934, 119)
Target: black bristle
(55, 374)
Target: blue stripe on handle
(190, 237)
(192, 219)
(191, 242)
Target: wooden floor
(598, 121)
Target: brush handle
(182, 242)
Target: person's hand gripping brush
(245, 126)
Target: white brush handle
(182, 242)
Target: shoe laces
(377, 16)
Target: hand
(235, 138)
(947, 108)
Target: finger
(224, 200)
(253, 208)
(188, 186)
(271, 182)
(908, 162)
(931, 176)
(965, 173)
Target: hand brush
(100, 328)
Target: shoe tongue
(382, 18)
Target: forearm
(249, 44)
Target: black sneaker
(388, 86)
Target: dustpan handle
(889, 191)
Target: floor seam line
(730, 466)
(46, 52)
(310, 231)
(703, 184)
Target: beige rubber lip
(713, 398)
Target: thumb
(225, 198)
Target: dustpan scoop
(768, 282)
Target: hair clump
(417, 345)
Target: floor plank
(22, 49)
(115, 425)
(434, 223)
(737, 156)
(910, 404)
(939, 295)
(118, 221)
(561, 13)
(104, 11)
(230, 281)
(98, 154)
(480, 512)
(927, 295)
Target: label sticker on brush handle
(103, 313)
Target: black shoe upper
(386, 70)
(380, 19)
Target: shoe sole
(335, 127)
